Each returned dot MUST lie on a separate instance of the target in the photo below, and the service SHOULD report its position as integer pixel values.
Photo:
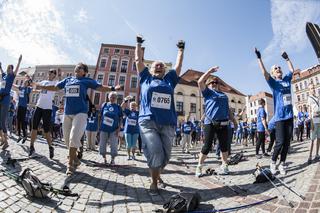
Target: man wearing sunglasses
(43, 111)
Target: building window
(305, 84)
(297, 88)
(307, 94)
(17, 82)
(303, 97)
(134, 82)
(251, 112)
(193, 107)
(122, 80)
(193, 95)
(255, 111)
(251, 104)
(179, 93)
(232, 101)
(126, 52)
(300, 86)
(134, 66)
(119, 99)
(116, 51)
(179, 106)
(124, 66)
(100, 78)
(103, 63)
(298, 97)
(96, 99)
(105, 50)
(317, 80)
(111, 80)
(114, 64)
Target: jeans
(283, 137)
(112, 138)
(156, 143)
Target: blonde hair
(133, 103)
(112, 93)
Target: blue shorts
(156, 143)
(131, 140)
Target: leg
(288, 124)
(104, 136)
(280, 138)
(35, 123)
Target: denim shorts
(315, 133)
(156, 143)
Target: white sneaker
(198, 171)
(273, 168)
(223, 170)
(282, 169)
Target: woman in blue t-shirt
(76, 108)
(157, 118)
(283, 115)
(23, 93)
(92, 128)
(6, 82)
(131, 127)
(111, 120)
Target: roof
(299, 75)
(190, 77)
(118, 46)
(260, 95)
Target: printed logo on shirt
(108, 121)
(286, 99)
(285, 84)
(110, 109)
(73, 91)
(133, 114)
(91, 120)
(161, 100)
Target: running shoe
(133, 157)
(273, 168)
(129, 158)
(224, 170)
(31, 150)
(24, 140)
(317, 158)
(112, 162)
(258, 156)
(309, 161)
(198, 171)
(282, 169)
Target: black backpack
(260, 177)
(235, 159)
(182, 202)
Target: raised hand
(257, 52)
(20, 58)
(213, 69)
(140, 39)
(181, 44)
(119, 87)
(285, 56)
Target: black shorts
(45, 115)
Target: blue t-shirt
(24, 96)
(110, 117)
(187, 127)
(178, 130)
(260, 115)
(157, 100)
(53, 113)
(271, 124)
(217, 106)
(253, 126)
(75, 92)
(301, 118)
(131, 125)
(281, 90)
(5, 87)
(92, 122)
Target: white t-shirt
(46, 97)
(314, 104)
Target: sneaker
(138, 154)
(19, 139)
(76, 163)
(282, 169)
(24, 140)
(129, 158)
(258, 156)
(51, 151)
(198, 171)
(69, 171)
(223, 170)
(133, 157)
(5, 146)
(309, 161)
(31, 150)
(317, 158)
(273, 168)
(112, 163)
(266, 154)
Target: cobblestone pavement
(123, 188)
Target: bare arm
(108, 88)
(261, 65)
(264, 123)
(138, 54)
(178, 66)
(18, 65)
(50, 88)
(203, 78)
(286, 57)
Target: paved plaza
(123, 188)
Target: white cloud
(288, 19)
(81, 16)
(32, 28)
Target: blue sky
(217, 32)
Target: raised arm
(109, 88)
(178, 66)
(139, 54)
(203, 78)
(261, 65)
(125, 103)
(18, 65)
(286, 57)
(50, 88)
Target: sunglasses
(159, 65)
(53, 71)
(214, 82)
(277, 68)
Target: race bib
(73, 91)
(286, 99)
(132, 122)
(21, 93)
(161, 100)
(3, 84)
(187, 128)
(91, 120)
(108, 121)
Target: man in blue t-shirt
(187, 128)
(301, 120)
(262, 128)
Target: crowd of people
(152, 126)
